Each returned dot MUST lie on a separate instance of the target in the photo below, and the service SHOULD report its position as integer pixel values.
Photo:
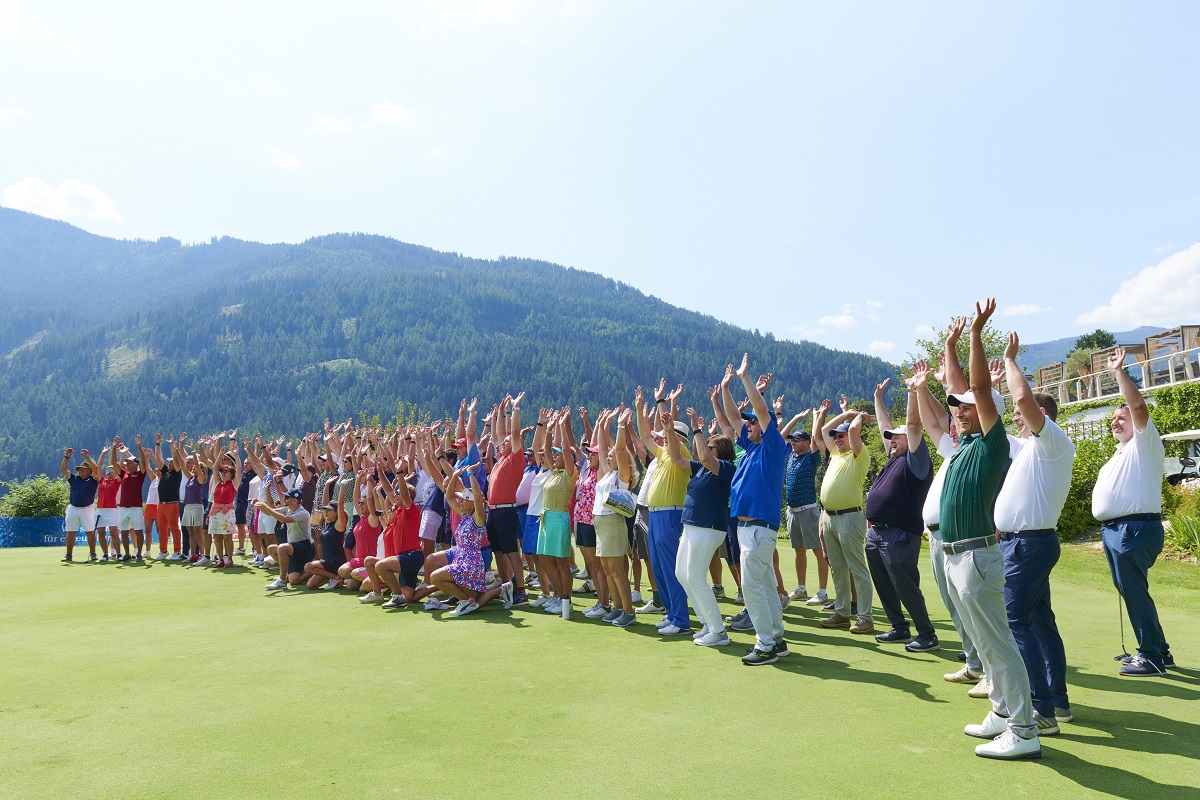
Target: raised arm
(624, 457)
(516, 439)
(793, 422)
(818, 435)
(471, 433)
(1129, 390)
(673, 450)
(881, 412)
(981, 379)
(643, 422)
(731, 409)
(714, 396)
(700, 448)
(1022, 395)
(62, 468)
(954, 381)
(587, 425)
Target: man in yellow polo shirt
(665, 497)
(843, 524)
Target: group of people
(459, 519)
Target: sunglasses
(839, 436)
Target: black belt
(839, 512)
(954, 548)
(757, 523)
(1131, 518)
(1005, 536)
(933, 528)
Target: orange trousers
(167, 519)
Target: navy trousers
(1131, 549)
(892, 555)
(1028, 561)
(665, 528)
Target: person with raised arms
(554, 536)
(129, 500)
(1127, 499)
(298, 550)
(1027, 511)
(803, 515)
(756, 499)
(843, 524)
(614, 466)
(330, 553)
(975, 565)
(463, 578)
(192, 518)
(222, 520)
(402, 525)
(503, 517)
(170, 477)
(665, 499)
(705, 520)
(106, 508)
(894, 521)
(81, 506)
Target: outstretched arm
(981, 379)
(881, 412)
(1129, 390)
(954, 382)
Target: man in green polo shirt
(974, 563)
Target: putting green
(158, 680)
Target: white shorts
(106, 517)
(430, 522)
(221, 523)
(130, 518)
(266, 523)
(81, 518)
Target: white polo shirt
(1037, 483)
(932, 512)
(1131, 481)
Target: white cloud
(923, 330)
(437, 155)
(10, 115)
(874, 304)
(1166, 293)
(281, 160)
(69, 199)
(392, 114)
(1024, 309)
(841, 322)
(880, 347)
(18, 28)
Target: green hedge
(35, 497)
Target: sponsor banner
(41, 532)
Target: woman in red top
(106, 509)
(222, 521)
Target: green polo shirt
(972, 482)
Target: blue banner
(34, 532)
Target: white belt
(802, 508)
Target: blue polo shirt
(473, 457)
(758, 483)
(802, 478)
(83, 490)
(707, 501)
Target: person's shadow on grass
(1110, 780)
(1135, 730)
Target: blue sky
(849, 173)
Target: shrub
(1184, 517)
(35, 497)
(1090, 456)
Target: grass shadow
(1136, 730)
(1110, 780)
(1166, 686)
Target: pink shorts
(430, 522)
(355, 563)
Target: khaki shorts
(612, 535)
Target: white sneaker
(981, 689)
(540, 600)
(204, 561)
(161, 557)
(553, 607)
(818, 599)
(278, 583)
(635, 596)
(489, 576)
(371, 597)
(506, 594)
(713, 639)
(662, 623)
(1009, 746)
(464, 607)
(228, 562)
(596, 611)
(992, 726)
(582, 574)
(333, 584)
(799, 593)
(533, 584)
(671, 630)
(175, 557)
(651, 608)
(587, 587)
(784, 600)
(700, 634)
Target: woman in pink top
(221, 518)
(366, 537)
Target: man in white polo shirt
(1026, 515)
(1127, 499)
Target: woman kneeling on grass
(298, 550)
(330, 553)
(463, 577)
(402, 529)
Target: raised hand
(954, 331)
(778, 406)
(675, 394)
(844, 404)
(983, 313)
(881, 386)
(158, 438)
(825, 406)
(70, 451)
(728, 379)
(1116, 360)
(743, 371)
(661, 392)
(763, 382)
(82, 452)
(996, 370)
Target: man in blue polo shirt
(756, 499)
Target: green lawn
(162, 681)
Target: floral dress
(467, 569)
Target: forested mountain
(105, 336)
